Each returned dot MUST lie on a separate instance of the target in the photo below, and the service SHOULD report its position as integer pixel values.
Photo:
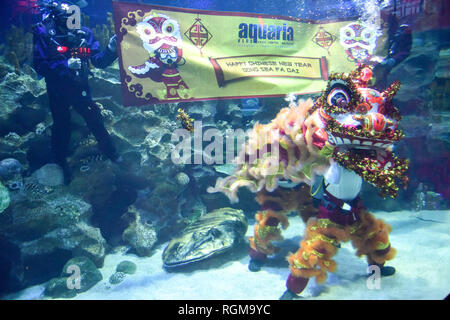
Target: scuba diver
(399, 49)
(61, 55)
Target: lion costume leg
(274, 208)
(314, 257)
(266, 230)
(371, 238)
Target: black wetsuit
(399, 49)
(67, 87)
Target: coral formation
(140, 236)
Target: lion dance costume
(324, 149)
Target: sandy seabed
(423, 263)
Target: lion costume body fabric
(329, 146)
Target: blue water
(167, 196)
(306, 9)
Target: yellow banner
(173, 54)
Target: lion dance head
(361, 124)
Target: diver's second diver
(62, 56)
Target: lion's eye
(363, 108)
(169, 28)
(338, 97)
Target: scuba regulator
(63, 39)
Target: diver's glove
(112, 45)
(74, 63)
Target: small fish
(88, 142)
(186, 121)
(38, 188)
(91, 159)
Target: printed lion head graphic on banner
(159, 32)
(359, 40)
(160, 37)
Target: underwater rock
(212, 201)
(90, 275)
(9, 149)
(4, 70)
(50, 175)
(4, 198)
(229, 111)
(15, 184)
(94, 180)
(22, 91)
(57, 288)
(131, 128)
(51, 227)
(23, 108)
(140, 236)
(426, 199)
(203, 175)
(106, 83)
(33, 219)
(204, 111)
(416, 73)
(79, 275)
(126, 267)
(154, 137)
(438, 136)
(40, 128)
(214, 233)
(11, 174)
(163, 200)
(443, 64)
(9, 168)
